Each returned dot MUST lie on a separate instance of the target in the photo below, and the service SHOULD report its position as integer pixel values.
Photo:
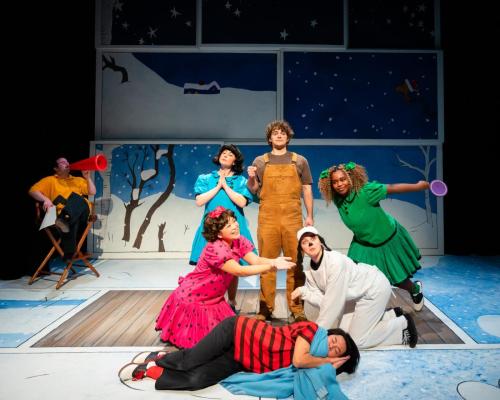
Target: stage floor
(70, 343)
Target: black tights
(207, 363)
(407, 285)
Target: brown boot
(299, 317)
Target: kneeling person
(334, 279)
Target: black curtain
(471, 161)
(54, 109)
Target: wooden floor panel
(127, 318)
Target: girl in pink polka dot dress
(198, 303)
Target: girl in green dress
(378, 238)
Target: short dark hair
(351, 350)
(212, 226)
(237, 168)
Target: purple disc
(438, 188)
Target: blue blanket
(301, 383)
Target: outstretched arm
(407, 187)
(258, 265)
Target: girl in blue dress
(224, 187)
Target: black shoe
(263, 316)
(410, 334)
(398, 311)
(62, 225)
(418, 299)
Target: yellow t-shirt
(53, 186)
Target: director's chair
(71, 263)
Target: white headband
(307, 229)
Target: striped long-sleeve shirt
(260, 347)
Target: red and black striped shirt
(260, 347)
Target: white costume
(338, 280)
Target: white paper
(50, 218)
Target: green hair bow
(324, 174)
(350, 165)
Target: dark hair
(212, 226)
(279, 124)
(237, 167)
(300, 253)
(351, 350)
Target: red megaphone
(96, 163)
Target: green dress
(378, 238)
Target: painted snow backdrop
(145, 201)
(361, 95)
(143, 95)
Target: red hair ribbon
(216, 212)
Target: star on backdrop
(153, 22)
(268, 22)
(391, 24)
(361, 95)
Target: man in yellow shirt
(66, 192)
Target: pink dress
(198, 303)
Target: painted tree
(161, 234)
(136, 159)
(169, 154)
(425, 171)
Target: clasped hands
(223, 174)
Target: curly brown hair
(212, 226)
(357, 177)
(279, 124)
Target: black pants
(207, 363)
(76, 214)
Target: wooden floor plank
(122, 334)
(127, 318)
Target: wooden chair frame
(78, 255)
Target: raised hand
(251, 171)
(223, 173)
(423, 184)
(297, 293)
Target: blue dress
(203, 184)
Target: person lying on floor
(300, 359)
(333, 279)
